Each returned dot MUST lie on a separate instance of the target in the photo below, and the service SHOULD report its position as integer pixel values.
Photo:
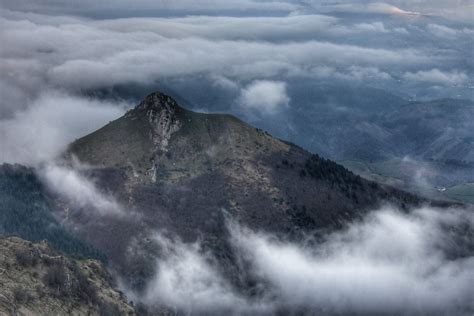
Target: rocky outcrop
(161, 112)
(37, 280)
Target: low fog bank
(189, 280)
(78, 190)
(389, 263)
(42, 131)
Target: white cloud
(229, 28)
(447, 32)
(452, 9)
(163, 58)
(390, 263)
(224, 83)
(421, 174)
(437, 76)
(388, 8)
(265, 96)
(52, 121)
(187, 279)
(83, 54)
(79, 55)
(369, 7)
(364, 73)
(371, 27)
(124, 7)
(456, 10)
(79, 190)
(338, 29)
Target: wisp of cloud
(389, 263)
(79, 191)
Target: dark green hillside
(26, 212)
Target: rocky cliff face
(37, 280)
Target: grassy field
(375, 172)
(400, 174)
(462, 192)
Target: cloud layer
(265, 96)
(452, 9)
(80, 191)
(49, 124)
(187, 279)
(389, 263)
(52, 51)
(438, 77)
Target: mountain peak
(138, 137)
(158, 132)
(161, 111)
(158, 108)
(158, 101)
(182, 172)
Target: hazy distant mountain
(428, 148)
(439, 130)
(369, 124)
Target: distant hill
(440, 130)
(26, 211)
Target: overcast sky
(55, 51)
(455, 9)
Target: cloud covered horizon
(51, 49)
(452, 9)
(42, 131)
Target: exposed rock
(161, 113)
(37, 280)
